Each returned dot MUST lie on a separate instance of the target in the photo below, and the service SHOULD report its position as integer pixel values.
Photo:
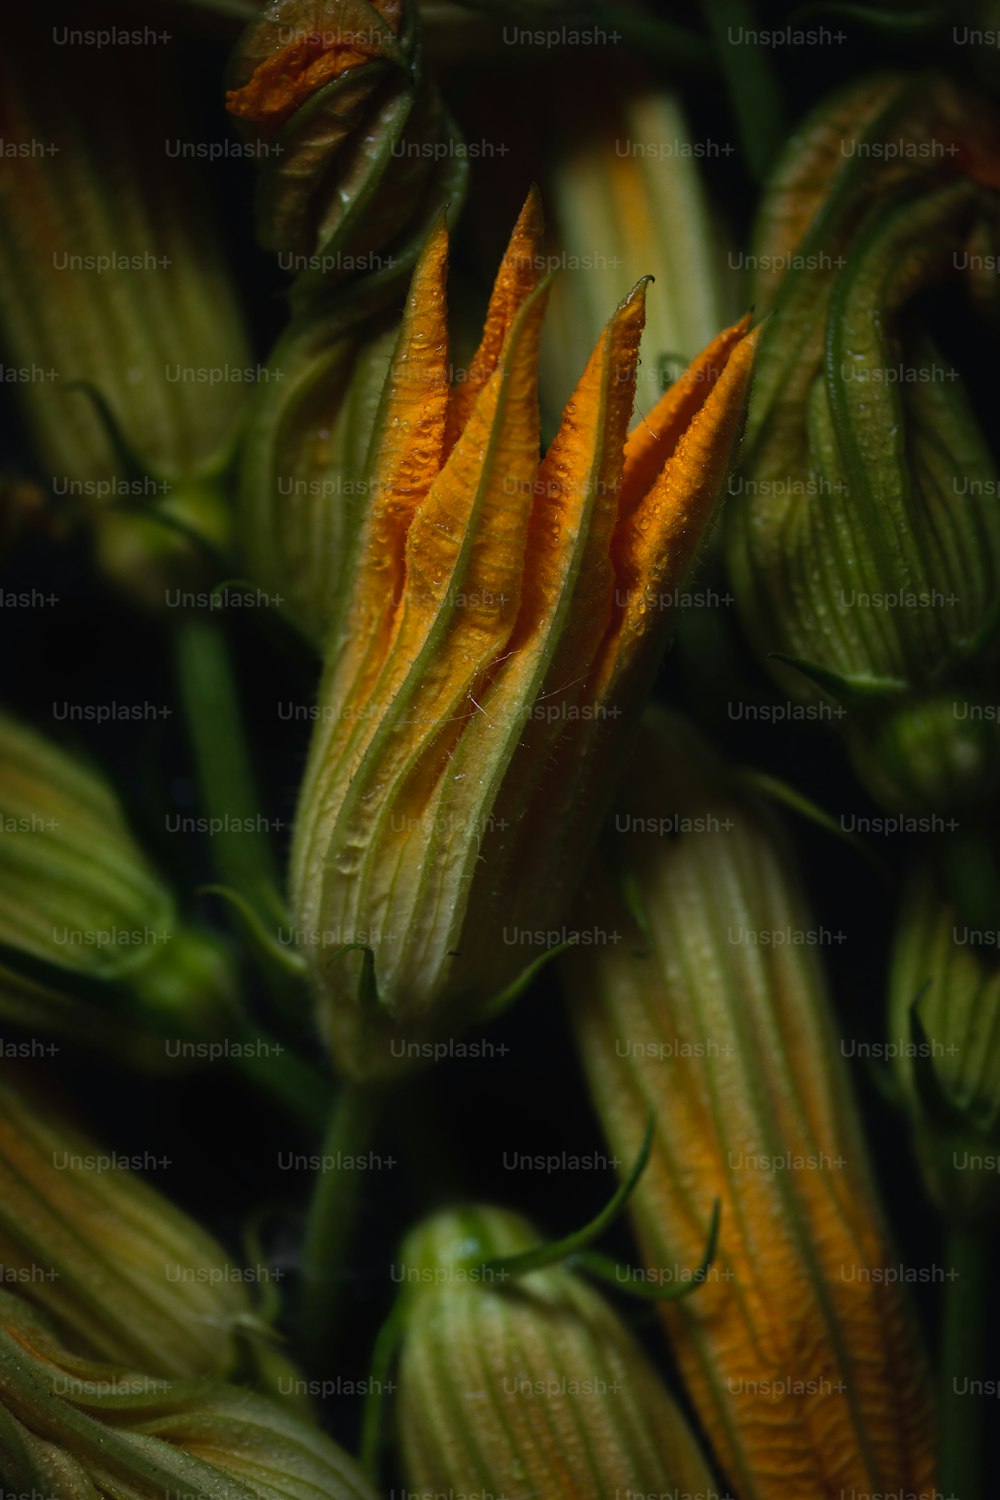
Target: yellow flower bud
(529, 1387)
(503, 622)
(798, 1352)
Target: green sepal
(847, 690)
(606, 1269)
(572, 1244)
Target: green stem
(753, 83)
(297, 1088)
(963, 1351)
(333, 1211)
(241, 850)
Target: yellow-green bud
(526, 1388)
(303, 483)
(81, 906)
(944, 1030)
(709, 1009)
(116, 303)
(122, 1274)
(938, 752)
(355, 150)
(864, 528)
(73, 1428)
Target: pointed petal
(656, 437)
(656, 543)
(404, 458)
(407, 447)
(516, 280)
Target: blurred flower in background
(118, 309)
(799, 1352)
(122, 1274)
(92, 945)
(864, 529)
(75, 1427)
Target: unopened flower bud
(117, 309)
(121, 1273)
(503, 622)
(74, 1428)
(303, 487)
(356, 153)
(944, 1024)
(527, 1387)
(81, 907)
(798, 1352)
(864, 540)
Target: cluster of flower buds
(132, 431)
(864, 534)
(798, 1350)
(503, 619)
(355, 150)
(93, 948)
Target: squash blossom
(503, 621)
(798, 1352)
(944, 1032)
(108, 234)
(355, 151)
(92, 945)
(77, 1428)
(864, 532)
(122, 1274)
(526, 1388)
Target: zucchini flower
(944, 1024)
(121, 1273)
(93, 947)
(526, 1388)
(864, 531)
(355, 150)
(502, 625)
(76, 1428)
(799, 1354)
(107, 233)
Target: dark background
(449, 1139)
